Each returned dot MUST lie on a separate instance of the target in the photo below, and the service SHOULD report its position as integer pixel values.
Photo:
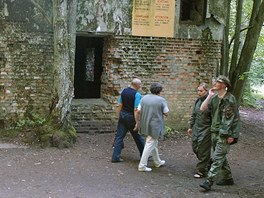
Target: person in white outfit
(150, 121)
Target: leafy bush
(39, 131)
(170, 132)
(251, 99)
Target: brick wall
(26, 60)
(93, 116)
(179, 64)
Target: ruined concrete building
(109, 53)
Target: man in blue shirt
(128, 104)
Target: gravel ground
(85, 171)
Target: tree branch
(42, 11)
(232, 39)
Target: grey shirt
(151, 109)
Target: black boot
(206, 185)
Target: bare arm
(136, 114)
(204, 105)
(165, 109)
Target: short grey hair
(136, 81)
(156, 88)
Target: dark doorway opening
(88, 67)
(193, 11)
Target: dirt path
(86, 171)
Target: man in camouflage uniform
(224, 129)
(199, 130)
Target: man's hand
(189, 132)
(204, 105)
(230, 140)
(135, 128)
(211, 92)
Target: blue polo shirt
(130, 99)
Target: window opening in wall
(88, 67)
(193, 11)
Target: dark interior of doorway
(193, 11)
(84, 88)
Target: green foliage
(50, 135)
(39, 131)
(250, 99)
(9, 134)
(256, 71)
(170, 132)
(256, 74)
(33, 121)
(252, 95)
(62, 139)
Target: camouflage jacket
(225, 116)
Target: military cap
(223, 79)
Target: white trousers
(150, 148)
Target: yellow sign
(153, 18)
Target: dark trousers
(202, 148)
(126, 122)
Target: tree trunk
(64, 22)
(256, 23)
(225, 45)
(235, 54)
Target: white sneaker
(144, 169)
(161, 163)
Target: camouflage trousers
(220, 166)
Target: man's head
(136, 83)
(156, 88)
(223, 80)
(202, 89)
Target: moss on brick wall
(26, 72)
